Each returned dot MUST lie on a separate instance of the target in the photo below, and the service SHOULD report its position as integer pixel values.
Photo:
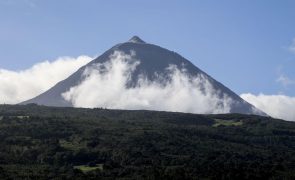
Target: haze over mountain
(139, 75)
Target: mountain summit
(159, 80)
(136, 39)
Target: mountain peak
(136, 39)
(152, 67)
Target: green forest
(38, 142)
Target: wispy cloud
(17, 86)
(31, 3)
(292, 46)
(27, 3)
(105, 85)
(284, 80)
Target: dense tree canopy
(38, 142)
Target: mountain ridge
(153, 59)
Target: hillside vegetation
(38, 142)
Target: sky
(249, 46)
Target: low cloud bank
(278, 106)
(18, 86)
(105, 86)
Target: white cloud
(28, 3)
(17, 86)
(31, 3)
(292, 46)
(285, 81)
(278, 106)
(105, 86)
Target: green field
(86, 168)
(220, 122)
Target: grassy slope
(42, 142)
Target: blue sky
(246, 45)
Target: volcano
(153, 62)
